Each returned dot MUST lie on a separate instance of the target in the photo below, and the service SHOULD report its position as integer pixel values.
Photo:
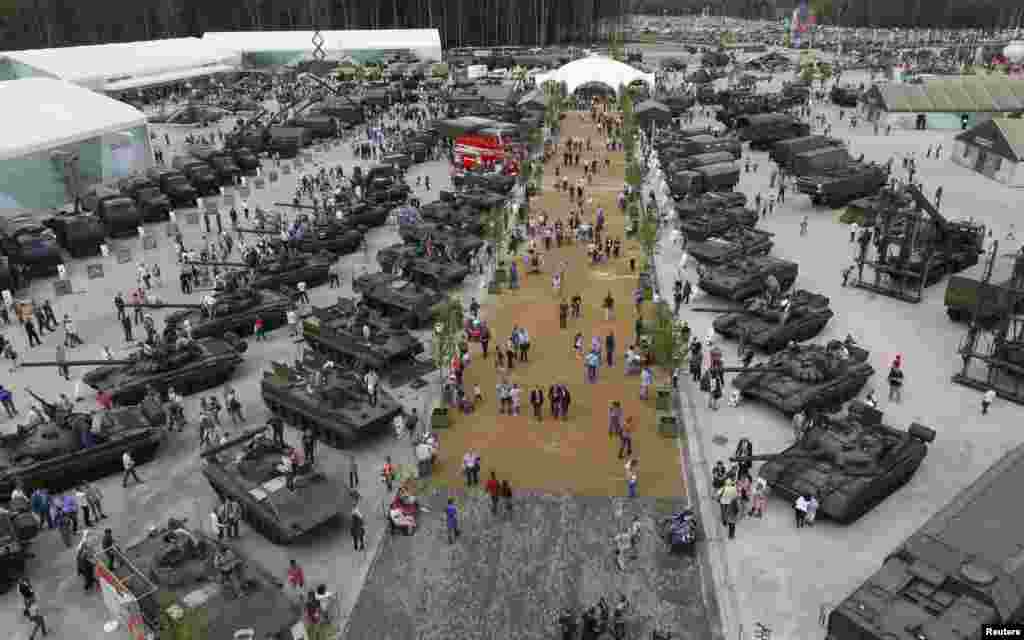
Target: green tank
(337, 333)
(701, 226)
(796, 317)
(737, 242)
(747, 277)
(411, 261)
(407, 303)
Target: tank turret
(233, 311)
(797, 316)
(748, 277)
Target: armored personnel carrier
(233, 311)
(64, 451)
(707, 228)
(332, 401)
(456, 246)
(286, 270)
(956, 574)
(411, 305)
(199, 365)
(410, 261)
(808, 376)
(851, 463)
(177, 570)
(337, 333)
(796, 317)
(738, 242)
(81, 234)
(839, 187)
(25, 241)
(747, 277)
(248, 469)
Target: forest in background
(940, 14)
(38, 24)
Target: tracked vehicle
(410, 305)
(747, 277)
(798, 316)
(286, 270)
(336, 332)
(738, 242)
(233, 311)
(411, 262)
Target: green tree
(616, 50)
(495, 223)
(647, 234)
(634, 176)
(449, 332)
(667, 343)
(179, 623)
(808, 73)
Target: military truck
(707, 143)
(247, 469)
(959, 572)
(153, 205)
(118, 212)
(772, 325)
(199, 174)
(27, 242)
(222, 162)
(337, 333)
(17, 529)
(748, 277)
(175, 186)
(411, 305)
(81, 234)
(818, 161)
(180, 571)
(839, 187)
(332, 401)
(971, 296)
(765, 129)
(722, 176)
(783, 151)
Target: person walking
(631, 478)
(233, 515)
(626, 439)
(353, 471)
(493, 488)
(609, 307)
(27, 593)
(506, 495)
(537, 402)
(358, 530)
(800, 511)
(37, 620)
(7, 399)
(609, 347)
(129, 469)
(986, 401)
(895, 383)
(296, 580)
(803, 226)
(452, 521)
(30, 331)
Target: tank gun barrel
(73, 363)
(715, 310)
(162, 305)
(247, 435)
(49, 407)
(262, 232)
(217, 263)
(764, 457)
(295, 206)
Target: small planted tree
(495, 222)
(448, 333)
(647, 235)
(667, 342)
(179, 623)
(808, 73)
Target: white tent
(125, 64)
(596, 69)
(43, 113)
(425, 43)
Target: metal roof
(962, 94)
(1013, 132)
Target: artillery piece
(286, 270)
(411, 262)
(799, 316)
(234, 311)
(851, 463)
(748, 277)
(194, 366)
(809, 376)
(737, 242)
(64, 450)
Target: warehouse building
(264, 49)
(945, 103)
(57, 138)
(994, 149)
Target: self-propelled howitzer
(850, 463)
(795, 317)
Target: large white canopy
(44, 113)
(426, 43)
(596, 69)
(96, 66)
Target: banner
(121, 603)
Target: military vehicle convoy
(180, 568)
(839, 187)
(411, 305)
(234, 311)
(736, 242)
(808, 376)
(413, 264)
(27, 242)
(336, 332)
(747, 277)
(960, 571)
(64, 451)
(80, 234)
(721, 176)
(795, 317)
(247, 469)
(199, 365)
(331, 401)
(850, 463)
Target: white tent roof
(43, 113)
(95, 66)
(426, 42)
(168, 78)
(596, 69)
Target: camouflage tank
(851, 463)
(233, 311)
(286, 270)
(337, 333)
(175, 569)
(411, 262)
(747, 277)
(246, 469)
(799, 316)
(333, 402)
(459, 246)
(809, 376)
(410, 305)
(198, 365)
(737, 242)
(713, 201)
(63, 451)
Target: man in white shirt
(129, 469)
(371, 386)
(293, 322)
(801, 511)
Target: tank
(808, 376)
(747, 277)
(81, 234)
(410, 305)
(332, 401)
(235, 311)
(245, 469)
(458, 246)
(712, 201)
(26, 241)
(336, 332)
(175, 566)
(61, 452)
(363, 214)
(798, 316)
(339, 239)
(17, 529)
(851, 463)
(410, 261)
(199, 365)
(960, 571)
(284, 271)
(708, 224)
(737, 242)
